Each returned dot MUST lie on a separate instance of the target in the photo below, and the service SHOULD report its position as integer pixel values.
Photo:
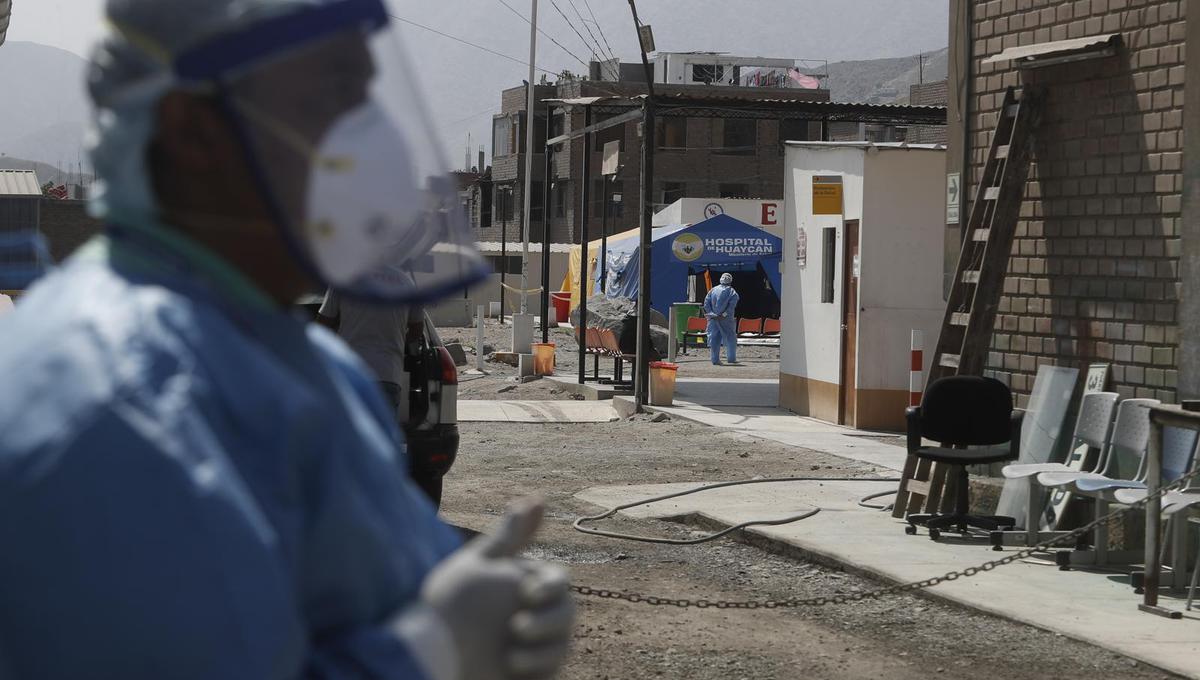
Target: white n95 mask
(343, 153)
(363, 203)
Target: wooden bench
(611, 346)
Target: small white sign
(612, 158)
(953, 199)
(802, 247)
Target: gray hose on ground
(871, 506)
(578, 524)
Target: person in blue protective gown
(194, 484)
(720, 307)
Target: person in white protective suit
(195, 484)
(720, 307)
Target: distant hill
(43, 109)
(883, 81)
(45, 171)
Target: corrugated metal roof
(871, 145)
(5, 11)
(493, 248)
(709, 102)
(19, 183)
(1059, 51)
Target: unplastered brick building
(1104, 268)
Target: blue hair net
(131, 71)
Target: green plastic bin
(683, 312)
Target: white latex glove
(508, 618)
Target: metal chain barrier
(898, 589)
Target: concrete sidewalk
(1098, 608)
(494, 411)
(752, 407)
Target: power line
(576, 31)
(490, 109)
(585, 26)
(511, 58)
(547, 35)
(471, 44)
(611, 54)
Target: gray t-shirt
(375, 332)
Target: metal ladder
(975, 293)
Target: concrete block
(522, 333)
(525, 365)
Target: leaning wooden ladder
(979, 280)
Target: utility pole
(503, 249)
(585, 281)
(921, 69)
(547, 187)
(604, 232)
(530, 104)
(641, 387)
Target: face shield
(334, 128)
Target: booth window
(828, 262)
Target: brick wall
(66, 226)
(928, 94)
(1094, 271)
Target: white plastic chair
(1091, 431)
(1124, 460)
(1180, 447)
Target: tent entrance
(758, 299)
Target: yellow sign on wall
(827, 195)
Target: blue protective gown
(720, 308)
(194, 484)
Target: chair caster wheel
(1062, 559)
(911, 530)
(934, 534)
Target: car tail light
(449, 370)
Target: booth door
(848, 412)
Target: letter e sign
(769, 219)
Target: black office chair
(961, 411)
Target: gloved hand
(509, 617)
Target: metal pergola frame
(639, 108)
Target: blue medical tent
(720, 244)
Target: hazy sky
(462, 84)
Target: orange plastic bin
(543, 358)
(662, 383)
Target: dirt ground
(897, 637)
(753, 362)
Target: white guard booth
(862, 269)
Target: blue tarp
(721, 243)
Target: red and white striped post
(915, 376)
